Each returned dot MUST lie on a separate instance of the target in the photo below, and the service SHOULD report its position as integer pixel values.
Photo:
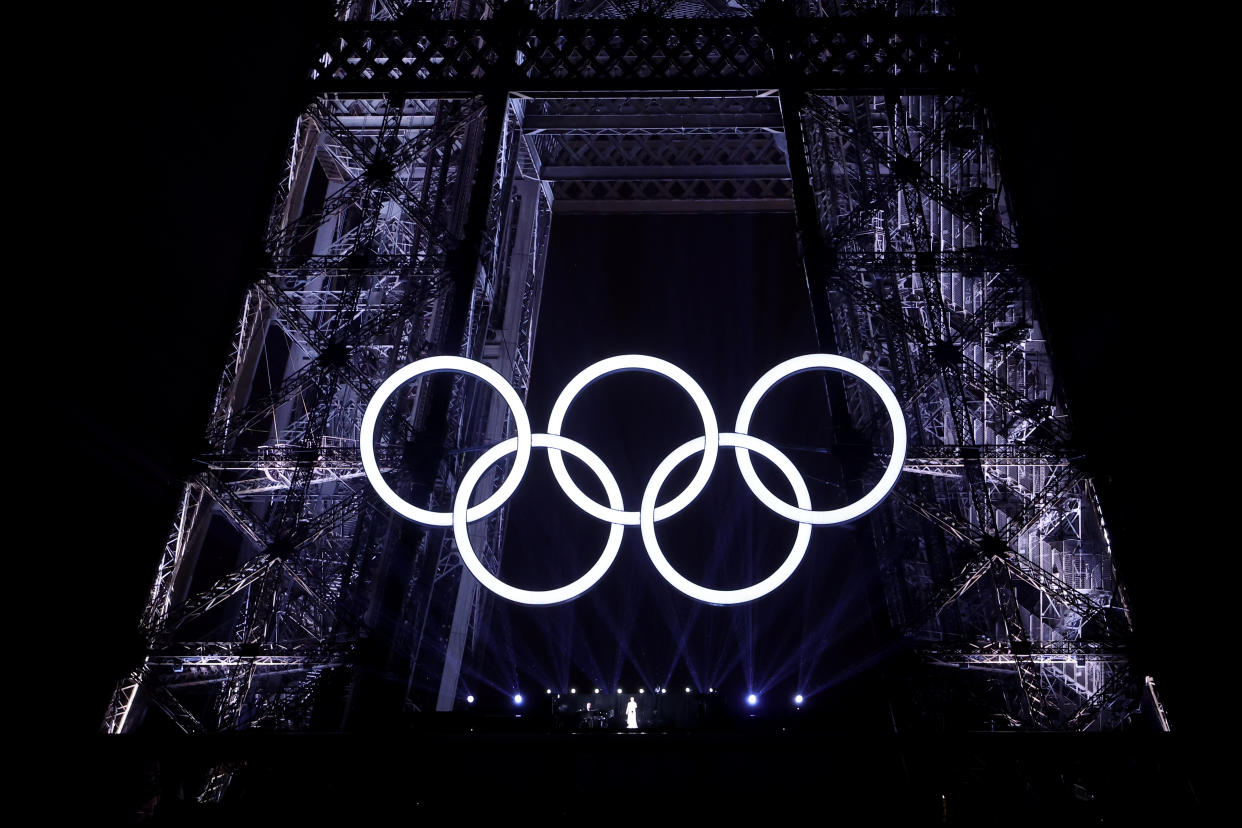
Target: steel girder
(925, 285)
(365, 249)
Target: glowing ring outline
(532, 597)
(832, 362)
(724, 597)
(440, 365)
(650, 365)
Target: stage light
(517, 698)
(469, 699)
(597, 690)
(664, 691)
(798, 699)
(752, 699)
(711, 689)
(618, 691)
(640, 691)
(573, 689)
(549, 691)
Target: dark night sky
(176, 178)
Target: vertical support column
(814, 254)
(501, 357)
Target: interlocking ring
(649, 513)
(651, 365)
(440, 365)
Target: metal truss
(412, 217)
(993, 551)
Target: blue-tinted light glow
(752, 699)
(798, 699)
(517, 698)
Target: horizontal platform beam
(534, 124)
(671, 172)
(532, 56)
(681, 205)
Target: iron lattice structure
(413, 218)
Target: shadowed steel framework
(412, 218)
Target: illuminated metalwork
(413, 218)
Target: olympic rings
(634, 362)
(552, 442)
(724, 596)
(439, 365)
(799, 365)
(649, 513)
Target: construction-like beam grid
(412, 218)
(993, 546)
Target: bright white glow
(596, 689)
(439, 365)
(832, 362)
(664, 690)
(687, 689)
(752, 699)
(573, 690)
(651, 365)
(640, 691)
(619, 691)
(798, 699)
(531, 596)
(469, 699)
(517, 698)
(724, 596)
(549, 691)
(649, 512)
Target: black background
(168, 173)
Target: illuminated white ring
(530, 596)
(651, 365)
(440, 365)
(833, 362)
(697, 591)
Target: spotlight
(549, 691)
(469, 699)
(573, 689)
(711, 689)
(687, 689)
(619, 691)
(798, 699)
(517, 698)
(664, 690)
(640, 691)
(596, 689)
(752, 699)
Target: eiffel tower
(437, 144)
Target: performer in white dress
(631, 714)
